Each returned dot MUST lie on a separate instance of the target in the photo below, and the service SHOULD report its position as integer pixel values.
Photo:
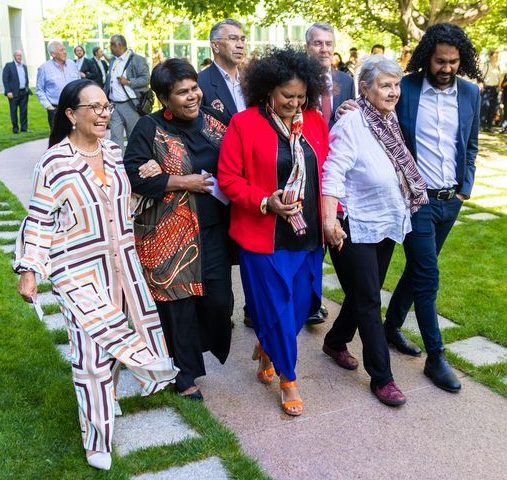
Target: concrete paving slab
(411, 323)
(64, 350)
(127, 386)
(331, 281)
(209, 469)
(21, 158)
(482, 216)
(4, 204)
(385, 297)
(3, 213)
(456, 223)
(150, 428)
(491, 202)
(486, 173)
(46, 298)
(498, 181)
(10, 223)
(8, 248)
(54, 322)
(479, 351)
(8, 235)
(465, 209)
(482, 191)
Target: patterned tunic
(78, 233)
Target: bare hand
(334, 234)
(123, 80)
(10, 95)
(83, 75)
(197, 183)
(460, 197)
(27, 286)
(276, 205)
(347, 106)
(150, 169)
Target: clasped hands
(275, 205)
(193, 182)
(334, 234)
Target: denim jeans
(419, 282)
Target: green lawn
(39, 429)
(37, 123)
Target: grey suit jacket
(137, 72)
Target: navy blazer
(468, 131)
(216, 93)
(343, 89)
(10, 79)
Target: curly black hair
(278, 66)
(451, 35)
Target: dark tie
(326, 106)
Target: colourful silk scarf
(294, 190)
(388, 133)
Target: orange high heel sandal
(289, 404)
(267, 375)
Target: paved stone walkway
(345, 433)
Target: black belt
(442, 194)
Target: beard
(439, 81)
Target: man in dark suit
(220, 82)
(85, 66)
(439, 116)
(320, 45)
(15, 80)
(101, 65)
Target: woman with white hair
(373, 175)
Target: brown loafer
(389, 394)
(344, 359)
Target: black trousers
(19, 103)
(489, 106)
(361, 269)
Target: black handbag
(146, 98)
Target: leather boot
(440, 373)
(396, 338)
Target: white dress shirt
(116, 90)
(234, 87)
(359, 173)
(21, 75)
(436, 135)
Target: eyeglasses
(97, 108)
(234, 38)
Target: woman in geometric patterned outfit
(78, 234)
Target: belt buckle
(442, 195)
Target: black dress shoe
(247, 321)
(396, 338)
(316, 318)
(324, 311)
(440, 373)
(196, 396)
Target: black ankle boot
(440, 373)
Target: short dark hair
(118, 39)
(95, 50)
(378, 45)
(215, 29)
(278, 66)
(79, 46)
(69, 98)
(167, 73)
(449, 34)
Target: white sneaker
(100, 460)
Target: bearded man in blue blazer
(439, 116)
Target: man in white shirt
(492, 80)
(128, 76)
(220, 82)
(439, 116)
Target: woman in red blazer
(270, 167)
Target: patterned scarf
(387, 132)
(294, 190)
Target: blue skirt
(281, 290)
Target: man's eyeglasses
(234, 38)
(97, 108)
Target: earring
(73, 126)
(168, 115)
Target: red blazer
(247, 172)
